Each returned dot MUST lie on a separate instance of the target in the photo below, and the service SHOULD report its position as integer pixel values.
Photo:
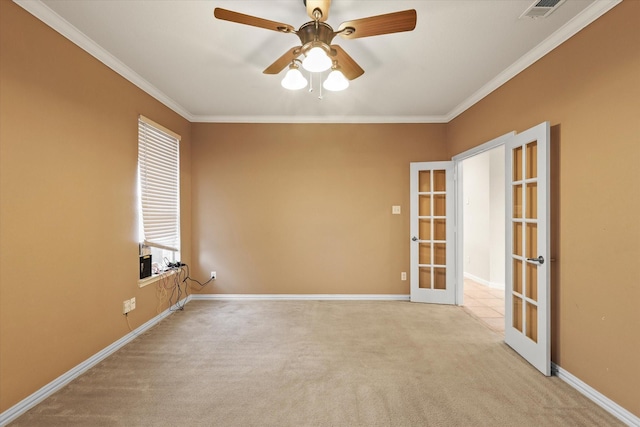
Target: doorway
(483, 237)
(527, 239)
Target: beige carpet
(316, 363)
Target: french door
(527, 275)
(527, 250)
(432, 232)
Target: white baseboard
(484, 282)
(601, 400)
(30, 401)
(310, 297)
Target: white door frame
(458, 171)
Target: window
(159, 191)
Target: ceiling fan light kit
(316, 37)
(316, 60)
(336, 81)
(294, 80)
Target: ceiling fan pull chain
(310, 82)
(320, 96)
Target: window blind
(159, 177)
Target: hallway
(485, 303)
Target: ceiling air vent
(541, 8)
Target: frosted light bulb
(294, 79)
(336, 81)
(317, 60)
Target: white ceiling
(210, 70)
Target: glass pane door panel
(439, 205)
(424, 229)
(439, 180)
(439, 229)
(532, 200)
(517, 164)
(517, 313)
(532, 160)
(424, 181)
(424, 255)
(517, 201)
(439, 278)
(532, 281)
(517, 238)
(440, 253)
(424, 277)
(527, 328)
(517, 276)
(532, 240)
(532, 321)
(424, 206)
(433, 248)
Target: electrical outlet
(213, 275)
(126, 306)
(133, 303)
(403, 275)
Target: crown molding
(577, 23)
(320, 119)
(62, 26)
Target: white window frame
(159, 191)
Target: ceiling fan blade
(348, 66)
(283, 61)
(377, 25)
(241, 18)
(321, 5)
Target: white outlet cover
(133, 303)
(395, 210)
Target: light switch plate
(395, 210)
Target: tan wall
(306, 208)
(295, 208)
(589, 89)
(68, 155)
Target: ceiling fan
(316, 37)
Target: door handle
(540, 259)
(414, 238)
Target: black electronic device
(145, 266)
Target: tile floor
(485, 303)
